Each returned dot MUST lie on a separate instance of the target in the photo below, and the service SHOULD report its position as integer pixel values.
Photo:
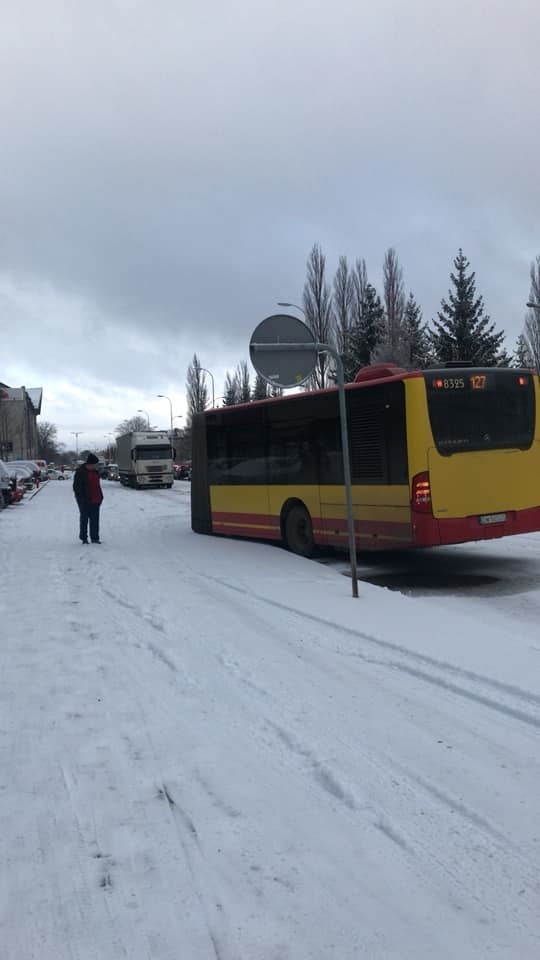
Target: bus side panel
(382, 517)
(201, 521)
(240, 510)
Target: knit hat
(91, 458)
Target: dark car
(182, 471)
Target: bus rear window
(472, 409)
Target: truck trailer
(145, 459)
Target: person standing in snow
(88, 494)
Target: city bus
(439, 456)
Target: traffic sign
(283, 367)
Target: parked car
(17, 490)
(182, 471)
(114, 473)
(5, 486)
(25, 474)
(32, 465)
(57, 473)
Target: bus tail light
(421, 493)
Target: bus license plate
(492, 518)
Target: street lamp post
(212, 379)
(107, 435)
(177, 438)
(163, 397)
(76, 434)
(147, 416)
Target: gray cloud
(167, 166)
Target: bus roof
(367, 376)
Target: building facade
(19, 410)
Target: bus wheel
(299, 531)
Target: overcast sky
(166, 166)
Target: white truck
(145, 459)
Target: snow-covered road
(210, 751)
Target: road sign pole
(324, 348)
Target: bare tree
(197, 391)
(318, 310)
(359, 285)
(132, 425)
(393, 346)
(48, 445)
(532, 319)
(342, 304)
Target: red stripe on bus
(338, 524)
(329, 530)
(239, 530)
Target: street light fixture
(295, 305)
(163, 397)
(204, 370)
(533, 306)
(76, 434)
(147, 416)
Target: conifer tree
(244, 387)
(260, 389)
(522, 353)
(365, 334)
(415, 336)
(231, 390)
(463, 332)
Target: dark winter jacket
(80, 485)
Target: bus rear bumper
(428, 531)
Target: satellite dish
(283, 368)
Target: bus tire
(299, 531)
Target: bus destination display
(474, 382)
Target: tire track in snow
(418, 660)
(484, 833)
(212, 907)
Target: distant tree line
(368, 327)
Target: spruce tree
(365, 334)
(242, 376)
(415, 336)
(463, 332)
(522, 353)
(260, 389)
(231, 390)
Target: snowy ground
(210, 751)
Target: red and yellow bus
(437, 457)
